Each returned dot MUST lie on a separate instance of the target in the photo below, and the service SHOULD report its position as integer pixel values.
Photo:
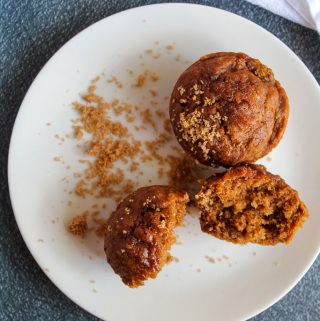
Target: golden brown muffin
(248, 204)
(228, 109)
(140, 232)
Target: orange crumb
(92, 89)
(134, 166)
(130, 118)
(170, 47)
(78, 225)
(153, 92)
(80, 188)
(93, 81)
(116, 81)
(159, 112)
(154, 76)
(147, 118)
(160, 172)
(140, 80)
(78, 132)
(167, 125)
(77, 174)
(210, 259)
(128, 187)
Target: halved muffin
(249, 204)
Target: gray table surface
(30, 32)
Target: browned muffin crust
(140, 232)
(248, 204)
(228, 109)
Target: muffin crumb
(78, 225)
(140, 80)
(154, 77)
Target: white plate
(237, 288)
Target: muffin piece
(140, 232)
(228, 109)
(248, 204)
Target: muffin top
(228, 109)
(140, 232)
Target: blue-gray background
(30, 32)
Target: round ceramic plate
(211, 279)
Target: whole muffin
(228, 109)
(248, 204)
(140, 232)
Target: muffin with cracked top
(228, 109)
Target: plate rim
(43, 69)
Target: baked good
(249, 204)
(228, 109)
(140, 232)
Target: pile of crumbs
(78, 225)
(108, 143)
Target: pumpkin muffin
(228, 109)
(140, 232)
(249, 204)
